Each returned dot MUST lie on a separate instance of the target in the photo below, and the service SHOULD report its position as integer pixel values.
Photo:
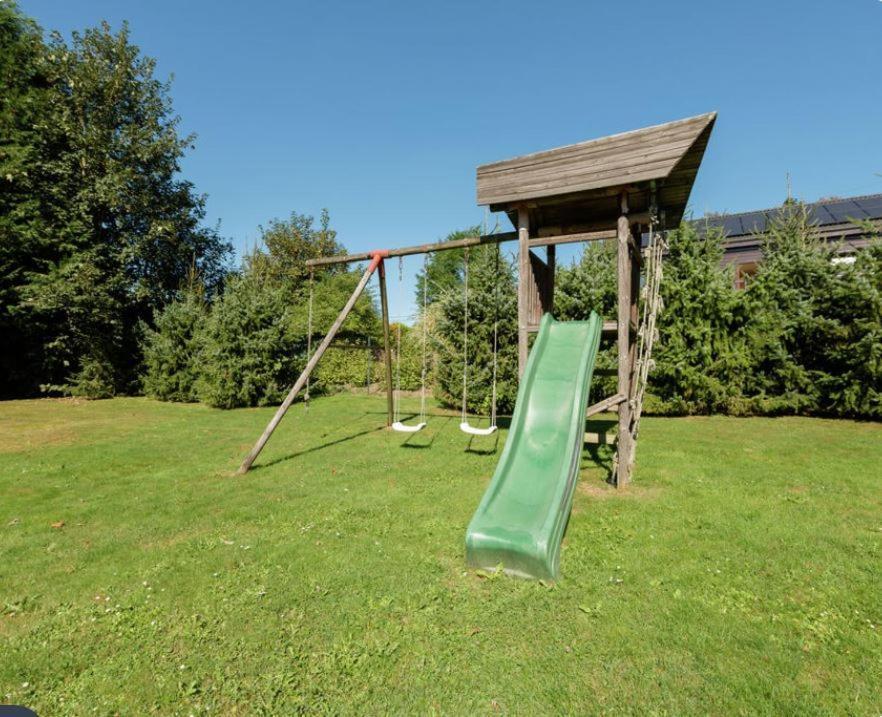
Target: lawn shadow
(414, 440)
(601, 454)
(326, 444)
(483, 451)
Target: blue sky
(380, 111)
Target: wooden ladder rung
(603, 438)
(612, 327)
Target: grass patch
(740, 574)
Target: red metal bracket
(377, 259)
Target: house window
(743, 274)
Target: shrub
(255, 341)
(249, 356)
(587, 285)
(172, 349)
(700, 356)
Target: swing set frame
(617, 188)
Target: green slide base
(520, 521)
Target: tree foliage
(173, 356)
(254, 341)
(587, 285)
(442, 272)
(804, 337)
(492, 296)
(100, 231)
(700, 355)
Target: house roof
(824, 213)
(578, 184)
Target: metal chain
(465, 332)
(425, 319)
(495, 336)
(309, 337)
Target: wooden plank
(646, 155)
(573, 238)
(524, 286)
(628, 157)
(605, 405)
(623, 271)
(587, 147)
(610, 327)
(540, 293)
(602, 438)
(311, 364)
(387, 347)
(611, 177)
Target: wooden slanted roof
(577, 186)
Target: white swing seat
(472, 431)
(402, 428)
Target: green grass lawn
(742, 573)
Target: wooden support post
(311, 364)
(634, 310)
(387, 346)
(551, 261)
(623, 264)
(524, 286)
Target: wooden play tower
(624, 187)
(619, 187)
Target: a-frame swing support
(376, 261)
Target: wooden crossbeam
(463, 243)
(573, 238)
(604, 405)
(419, 249)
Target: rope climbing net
(647, 331)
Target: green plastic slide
(521, 519)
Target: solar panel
(842, 211)
(753, 223)
(871, 205)
(837, 211)
(821, 214)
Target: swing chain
(425, 320)
(465, 333)
(309, 336)
(465, 338)
(396, 408)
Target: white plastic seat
(402, 428)
(472, 431)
